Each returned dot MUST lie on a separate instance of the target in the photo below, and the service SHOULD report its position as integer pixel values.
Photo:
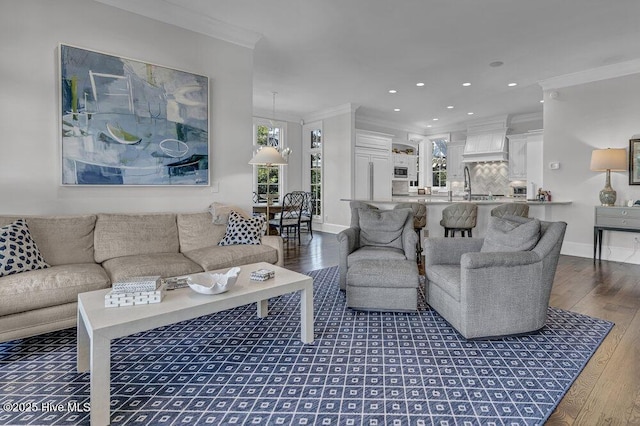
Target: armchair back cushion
(382, 228)
(507, 235)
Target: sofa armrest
(478, 260)
(348, 242)
(276, 242)
(409, 243)
(448, 251)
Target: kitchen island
(543, 210)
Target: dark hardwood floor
(607, 392)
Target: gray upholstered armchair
(356, 244)
(492, 293)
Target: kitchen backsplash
(488, 178)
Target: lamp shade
(268, 156)
(609, 159)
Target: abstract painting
(127, 122)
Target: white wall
(601, 114)
(29, 158)
(338, 134)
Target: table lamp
(606, 160)
(268, 156)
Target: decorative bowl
(210, 283)
(174, 148)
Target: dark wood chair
(306, 217)
(290, 215)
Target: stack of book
(135, 291)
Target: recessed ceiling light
(541, 101)
(436, 119)
(466, 84)
(469, 113)
(450, 107)
(495, 64)
(419, 84)
(393, 91)
(429, 125)
(512, 84)
(396, 109)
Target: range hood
(486, 146)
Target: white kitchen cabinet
(517, 157)
(401, 160)
(455, 166)
(413, 167)
(373, 175)
(373, 171)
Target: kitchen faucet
(467, 183)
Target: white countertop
(435, 200)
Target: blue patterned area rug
(233, 368)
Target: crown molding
(171, 13)
(331, 112)
(591, 75)
(373, 121)
(526, 118)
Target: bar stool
(461, 217)
(419, 221)
(511, 209)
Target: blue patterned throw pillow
(18, 251)
(243, 231)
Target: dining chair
(307, 212)
(290, 214)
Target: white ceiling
(319, 54)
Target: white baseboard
(331, 228)
(612, 253)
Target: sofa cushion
(375, 253)
(49, 287)
(197, 230)
(118, 235)
(61, 239)
(242, 231)
(382, 228)
(18, 251)
(387, 273)
(447, 277)
(163, 264)
(505, 235)
(218, 257)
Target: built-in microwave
(520, 191)
(400, 172)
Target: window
(268, 180)
(312, 145)
(439, 163)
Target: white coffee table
(98, 325)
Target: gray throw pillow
(504, 234)
(382, 228)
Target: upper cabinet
(525, 157)
(374, 140)
(517, 157)
(455, 166)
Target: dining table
(261, 208)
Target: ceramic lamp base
(608, 197)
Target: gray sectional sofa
(89, 252)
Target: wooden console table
(622, 219)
